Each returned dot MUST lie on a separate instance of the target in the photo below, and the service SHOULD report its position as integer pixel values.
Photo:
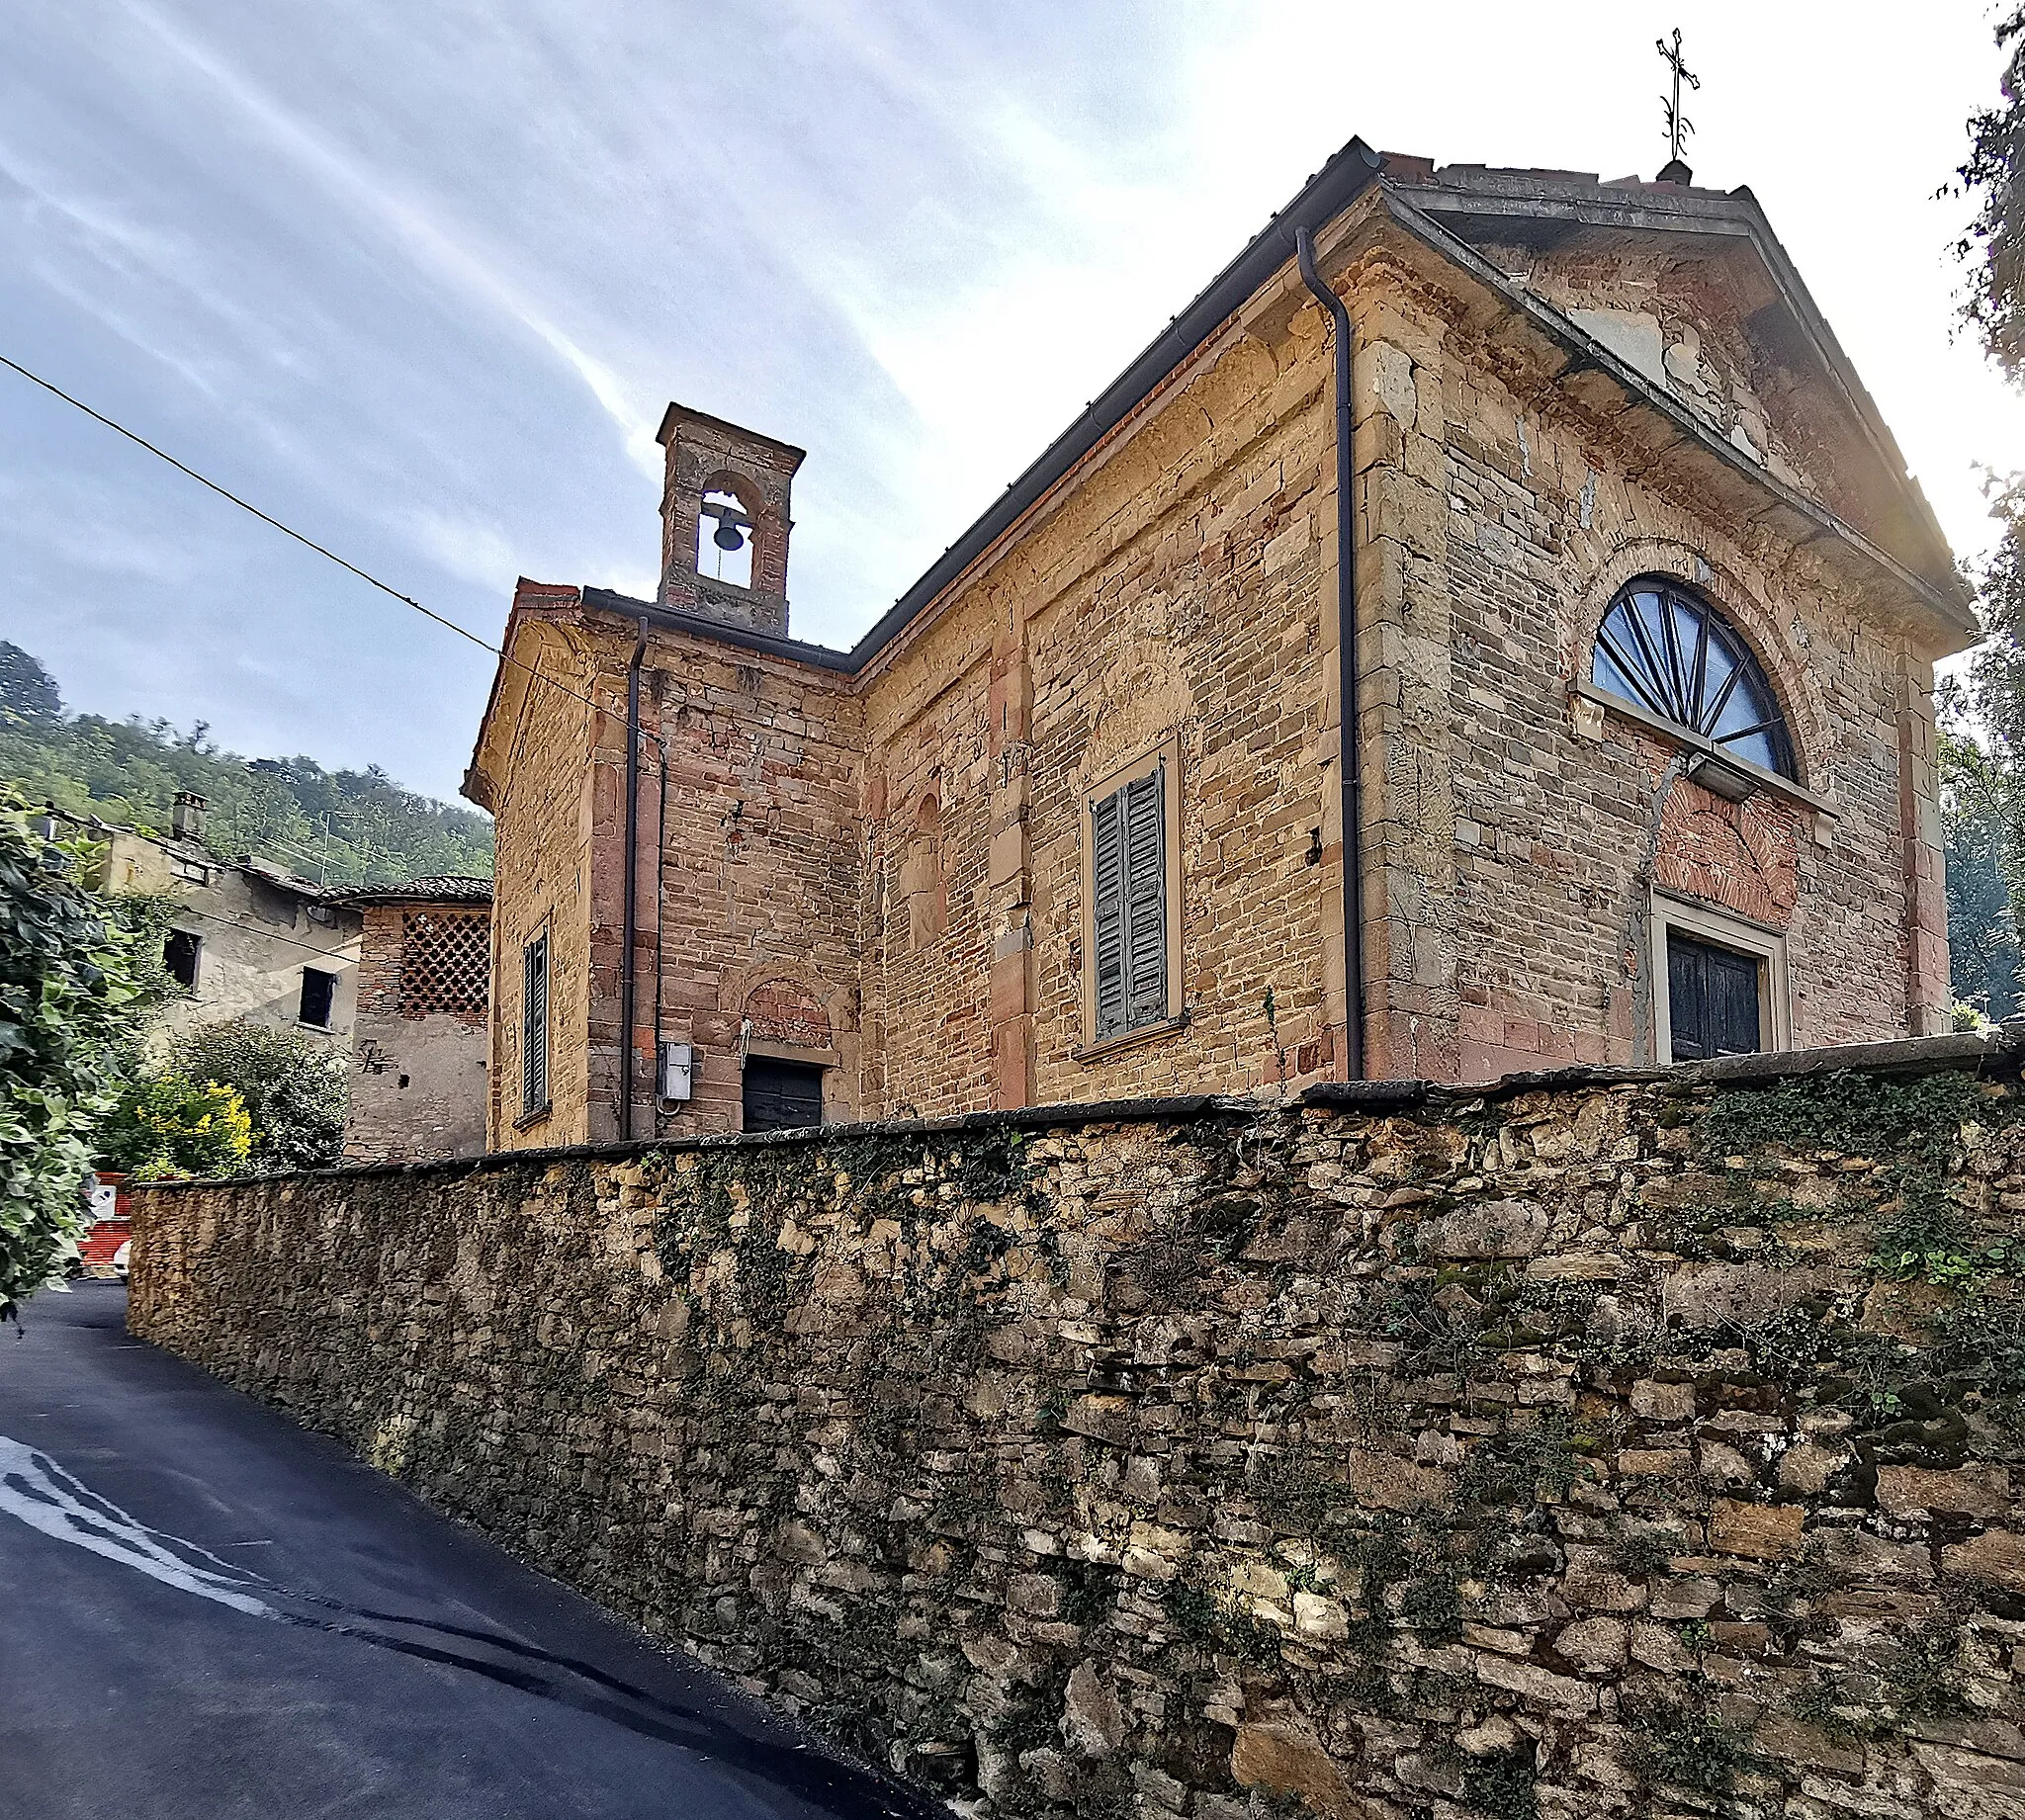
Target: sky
(420, 280)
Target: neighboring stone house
(419, 1080)
(1647, 612)
(247, 940)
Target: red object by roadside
(111, 1225)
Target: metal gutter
(1348, 759)
(631, 892)
(767, 643)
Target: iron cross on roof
(1678, 124)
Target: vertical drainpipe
(661, 847)
(631, 890)
(1346, 648)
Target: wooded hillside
(336, 826)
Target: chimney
(185, 818)
(725, 521)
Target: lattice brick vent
(446, 963)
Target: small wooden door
(782, 1095)
(1713, 1000)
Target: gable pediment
(1690, 290)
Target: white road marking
(33, 1488)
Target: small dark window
(1712, 997)
(179, 958)
(782, 1095)
(1128, 908)
(319, 988)
(534, 1026)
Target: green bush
(68, 1007)
(167, 1126)
(295, 1087)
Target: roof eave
(768, 643)
(1736, 214)
(1950, 608)
(1324, 197)
(477, 785)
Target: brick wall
(1557, 805)
(921, 874)
(1634, 1445)
(761, 872)
(544, 819)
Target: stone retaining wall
(1600, 1445)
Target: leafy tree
(28, 692)
(1995, 246)
(1978, 812)
(1982, 745)
(166, 1125)
(68, 1008)
(294, 1089)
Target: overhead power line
(307, 542)
(185, 908)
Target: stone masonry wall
(418, 1067)
(1525, 827)
(1170, 597)
(1559, 806)
(760, 881)
(1603, 1444)
(897, 856)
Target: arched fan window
(1664, 648)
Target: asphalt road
(207, 1612)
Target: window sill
(533, 1118)
(1691, 742)
(1145, 1033)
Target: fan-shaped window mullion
(1646, 653)
(1700, 649)
(1671, 628)
(1710, 716)
(1629, 669)
(1651, 675)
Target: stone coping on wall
(1977, 1049)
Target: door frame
(1765, 945)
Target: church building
(1490, 629)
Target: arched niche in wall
(922, 887)
(778, 1009)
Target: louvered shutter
(1107, 911)
(1145, 814)
(1129, 909)
(534, 1025)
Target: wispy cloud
(421, 279)
(373, 196)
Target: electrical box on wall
(677, 1070)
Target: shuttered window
(1128, 905)
(534, 1025)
